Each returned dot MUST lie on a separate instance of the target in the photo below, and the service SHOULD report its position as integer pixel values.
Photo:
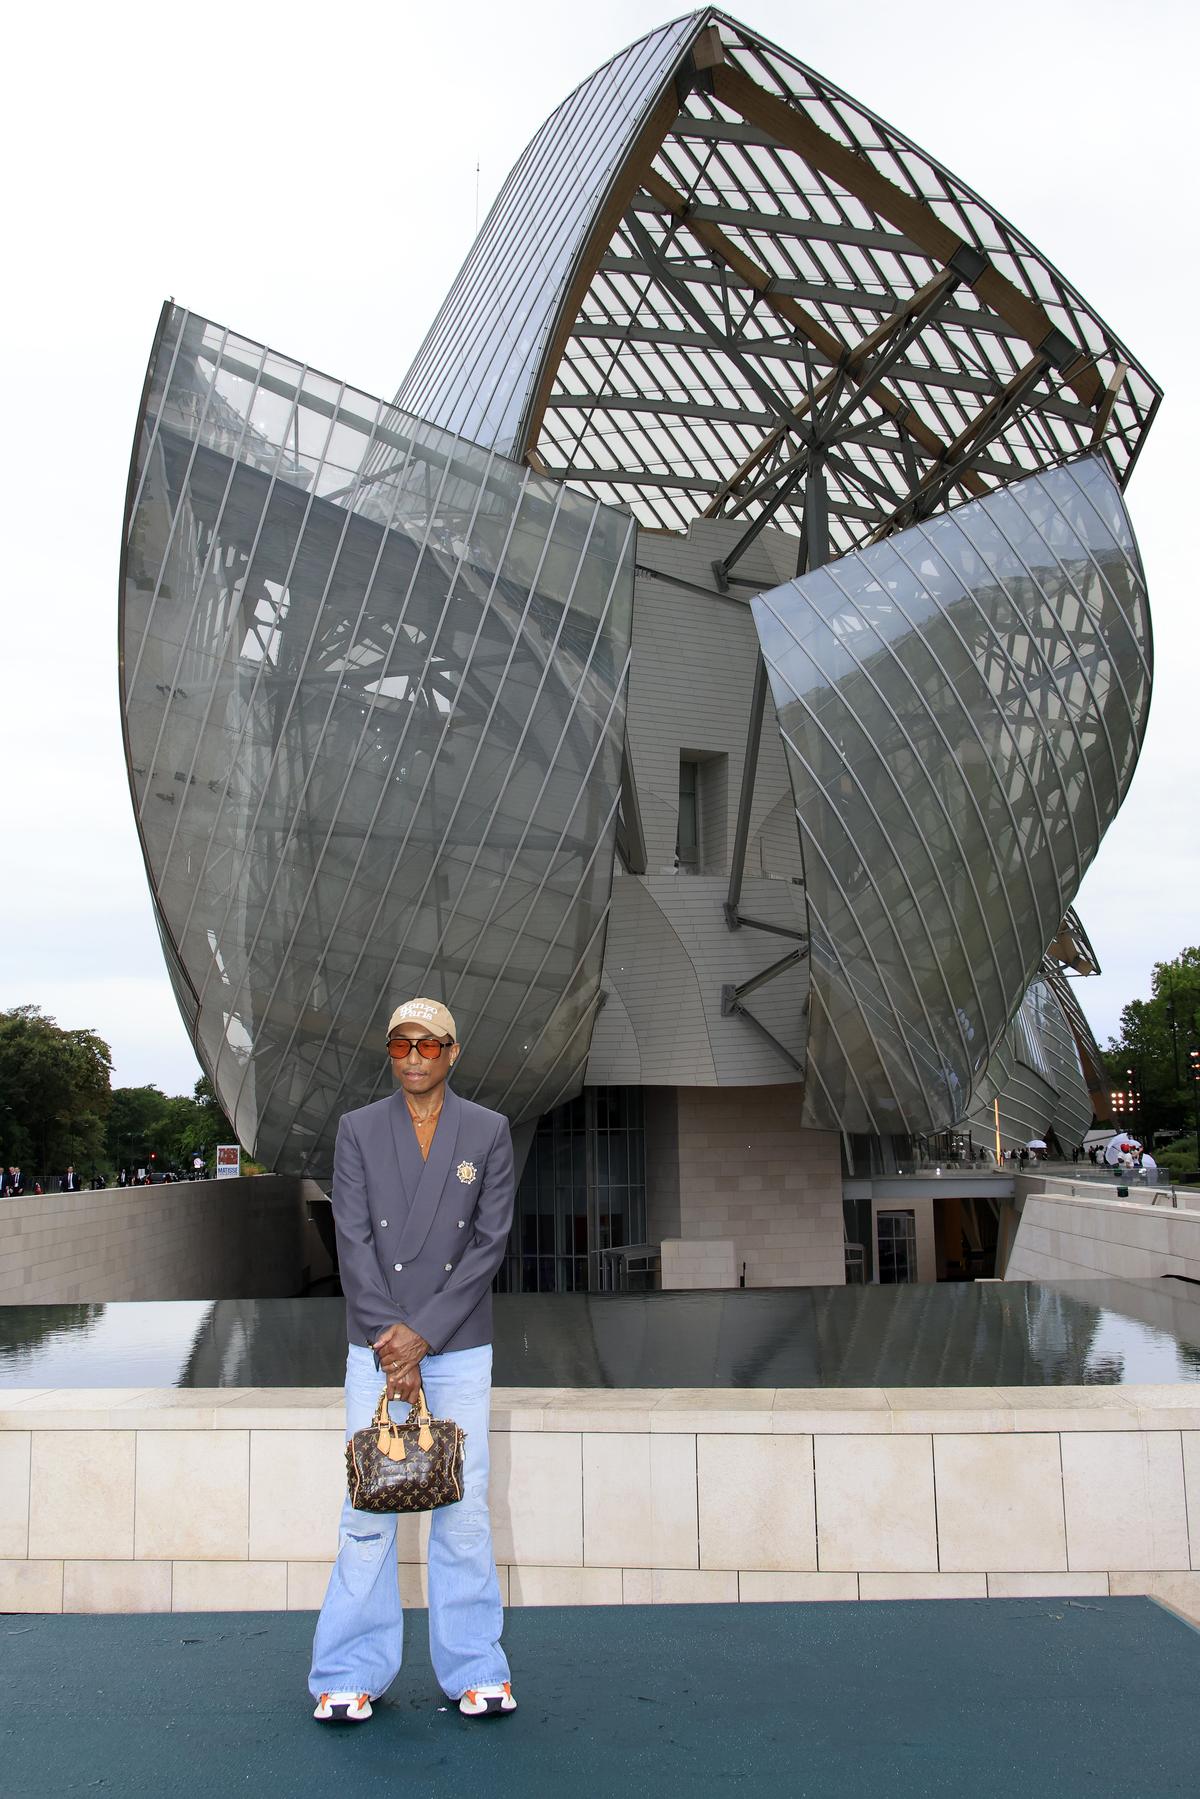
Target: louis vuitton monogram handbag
(411, 1467)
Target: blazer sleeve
(362, 1282)
(438, 1317)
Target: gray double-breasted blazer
(419, 1241)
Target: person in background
(70, 1182)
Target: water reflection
(959, 1334)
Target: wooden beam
(913, 216)
(708, 50)
(641, 154)
(831, 347)
(1104, 410)
(861, 353)
(993, 414)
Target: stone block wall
(1085, 1235)
(245, 1238)
(617, 1497)
(690, 1266)
(748, 1172)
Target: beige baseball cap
(430, 1014)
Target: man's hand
(400, 1350)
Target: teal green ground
(1024, 1697)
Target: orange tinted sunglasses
(428, 1048)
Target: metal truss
(733, 999)
(780, 275)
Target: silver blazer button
(383, 1222)
(398, 1266)
(461, 1223)
(449, 1266)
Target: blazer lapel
(432, 1175)
(408, 1150)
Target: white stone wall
(232, 1239)
(747, 1171)
(668, 950)
(1082, 1235)
(604, 1497)
(692, 1266)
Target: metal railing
(33, 1184)
(1139, 1183)
(630, 1267)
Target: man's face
(417, 1073)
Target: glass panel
(956, 751)
(896, 1235)
(587, 1156)
(687, 842)
(374, 696)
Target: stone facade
(248, 1237)
(605, 1497)
(749, 1173)
(1084, 1232)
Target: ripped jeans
(359, 1638)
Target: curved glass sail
(374, 674)
(1036, 1075)
(474, 370)
(961, 709)
(373, 689)
(709, 252)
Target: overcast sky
(306, 175)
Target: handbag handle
(418, 1413)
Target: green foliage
(148, 1125)
(54, 1092)
(57, 1106)
(1179, 1159)
(1156, 1036)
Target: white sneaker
(485, 1702)
(343, 1708)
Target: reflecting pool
(956, 1335)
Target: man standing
(71, 1182)
(422, 1202)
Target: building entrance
(896, 1237)
(583, 1191)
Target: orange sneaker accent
(323, 1698)
(364, 1698)
(470, 1694)
(508, 1689)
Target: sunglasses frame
(411, 1043)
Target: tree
(54, 1092)
(211, 1122)
(135, 1125)
(1155, 1039)
(148, 1126)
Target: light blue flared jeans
(359, 1640)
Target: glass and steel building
(714, 670)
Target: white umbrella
(1036, 1143)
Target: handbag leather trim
(390, 1475)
